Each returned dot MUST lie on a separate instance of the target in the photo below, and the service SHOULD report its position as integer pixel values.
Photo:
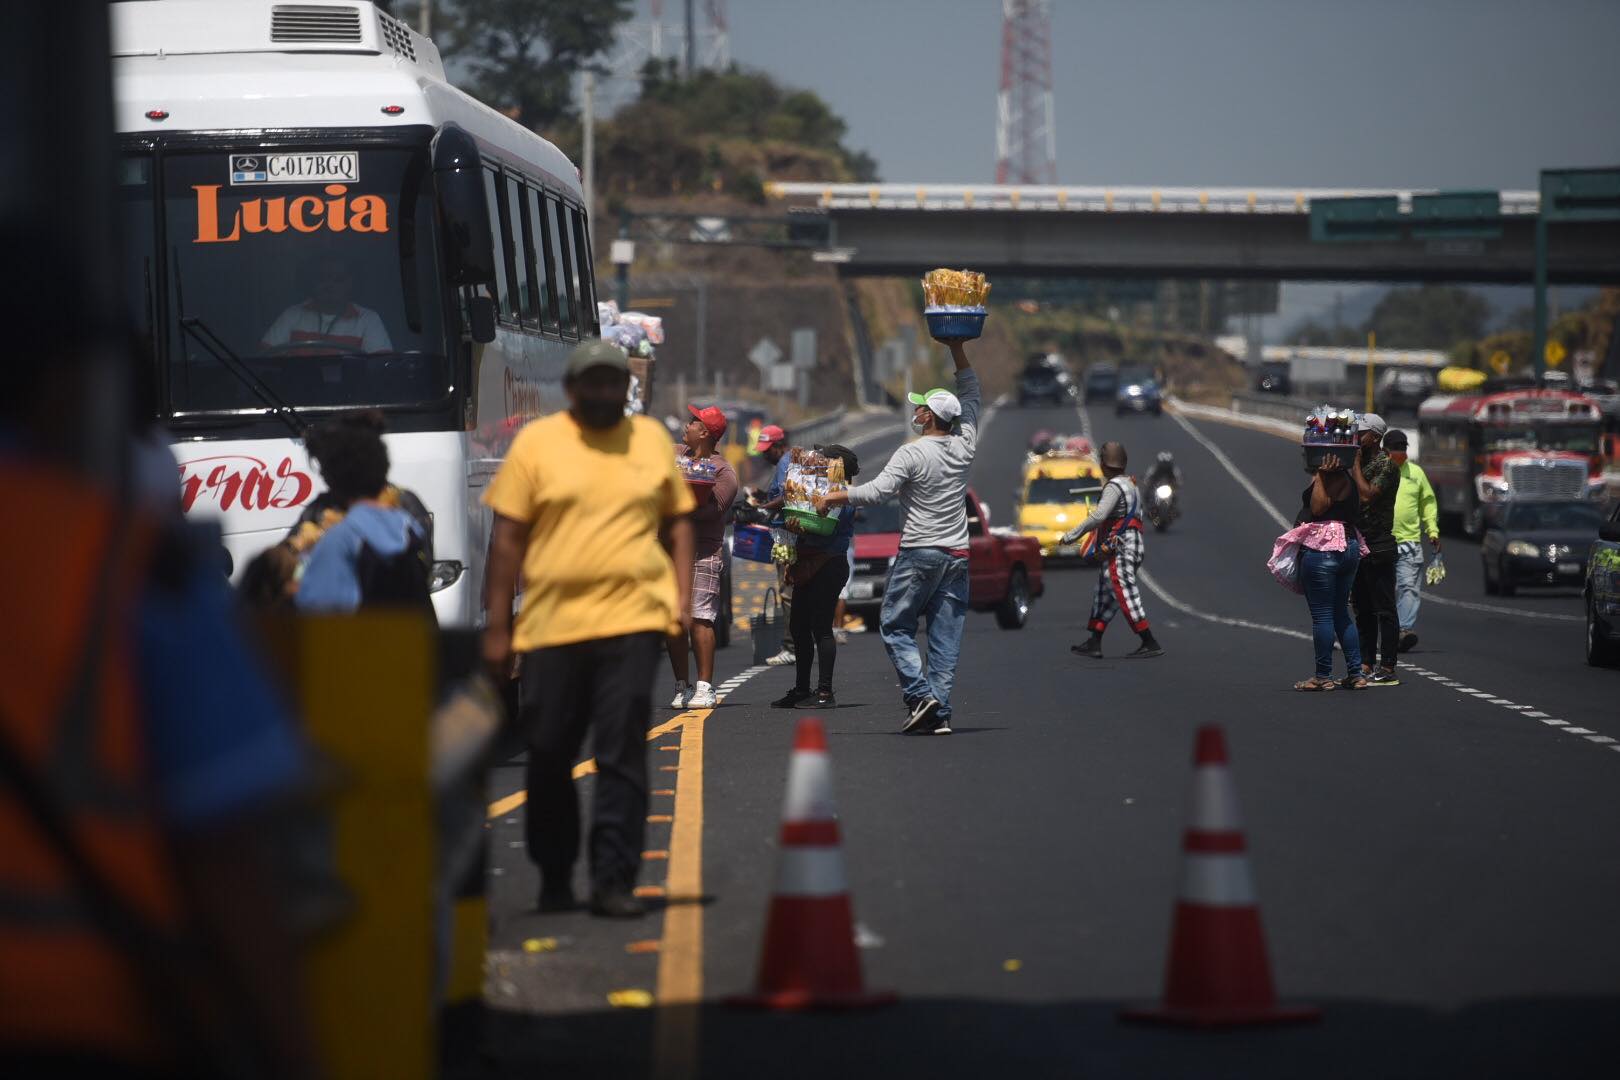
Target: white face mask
(918, 426)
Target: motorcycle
(1161, 506)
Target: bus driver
(328, 321)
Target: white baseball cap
(941, 402)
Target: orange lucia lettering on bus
(304, 213)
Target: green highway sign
(1457, 215)
(1580, 194)
(1353, 220)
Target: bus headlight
(445, 573)
(1492, 490)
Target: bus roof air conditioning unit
(305, 24)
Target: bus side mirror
(463, 208)
(481, 318)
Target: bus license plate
(1068, 549)
(860, 590)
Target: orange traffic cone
(1218, 974)
(809, 960)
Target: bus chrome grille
(1545, 479)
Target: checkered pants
(1116, 585)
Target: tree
(1428, 317)
(521, 56)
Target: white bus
(317, 221)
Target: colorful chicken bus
(316, 221)
(1480, 449)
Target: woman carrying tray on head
(818, 573)
(706, 428)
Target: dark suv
(1102, 382)
(1040, 385)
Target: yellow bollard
(364, 686)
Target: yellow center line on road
(680, 955)
(509, 803)
(680, 949)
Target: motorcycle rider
(1163, 471)
(1118, 517)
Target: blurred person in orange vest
(140, 747)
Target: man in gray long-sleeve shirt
(930, 574)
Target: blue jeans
(1408, 582)
(1327, 577)
(931, 582)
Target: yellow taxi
(1060, 491)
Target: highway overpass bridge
(1098, 232)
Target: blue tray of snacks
(955, 324)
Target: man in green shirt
(1417, 519)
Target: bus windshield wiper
(228, 360)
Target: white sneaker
(783, 658)
(683, 696)
(841, 636)
(702, 696)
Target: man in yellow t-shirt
(592, 506)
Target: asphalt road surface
(1435, 862)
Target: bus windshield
(1575, 438)
(314, 266)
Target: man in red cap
(706, 428)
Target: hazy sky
(1365, 93)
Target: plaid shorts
(706, 587)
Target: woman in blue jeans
(1330, 552)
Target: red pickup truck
(1004, 568)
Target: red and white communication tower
(1026, 137)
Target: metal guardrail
(1277, 406)
(1227, 200)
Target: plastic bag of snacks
(954, 290)
(1435, 572)
(811, 474)
(700, 475)
(1329, 431)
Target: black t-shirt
(1342, 510)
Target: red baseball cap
(712, 418)
(769, 436)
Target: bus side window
(545, 294)
(503, 289)
(559, 264)
(586, 282)
(518, 252)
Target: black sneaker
(823, 699)
(1093, 649)
(1145, 652)
(1383, 677)
(792, 699)
(1408, 641)
(559, 899)
(617, 904)
(922, 714)
(941, 728)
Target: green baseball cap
(940, 401)
(594, 354)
